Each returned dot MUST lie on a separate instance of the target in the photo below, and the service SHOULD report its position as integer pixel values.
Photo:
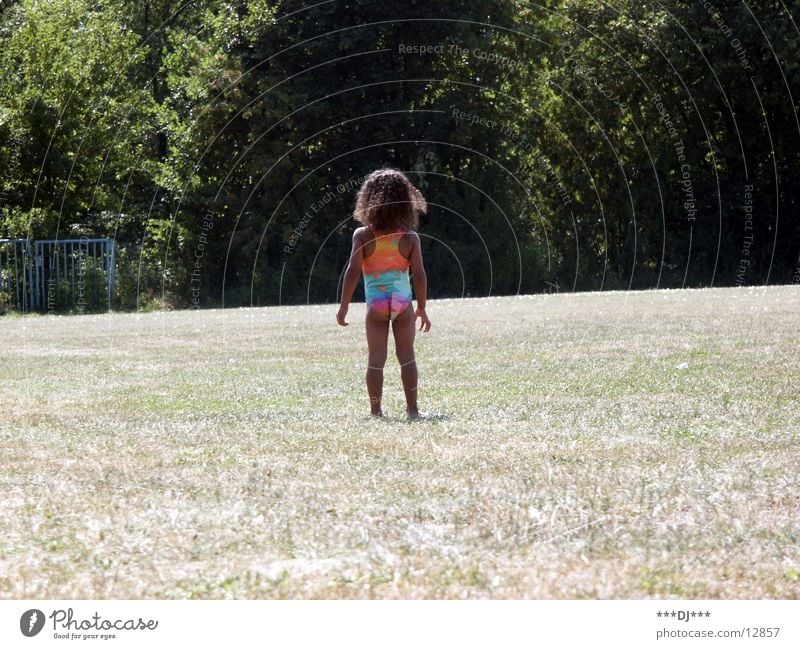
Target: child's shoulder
(410, 235)
(361, 232)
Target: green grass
(613, 445)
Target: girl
(388, 207)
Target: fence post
(37, 262)
(16, 272)
(113, 268)
(1, 270)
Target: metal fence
(57, 274)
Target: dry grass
(610, 445)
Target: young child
(384, 249)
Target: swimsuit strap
(400, 230)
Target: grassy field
(612, 445)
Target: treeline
(581, 145)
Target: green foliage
(74, 122)
(561, 145)
(36, 222)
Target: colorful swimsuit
(386, 282)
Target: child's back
(384, 251)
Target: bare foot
(413, 414)
(377, 413)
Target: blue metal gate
(57, 274)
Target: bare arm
(351, 276)
(420, 280)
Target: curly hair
(387, 200)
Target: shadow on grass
(425, 418)
(404, 419)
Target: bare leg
(404, 330)
(377, 336)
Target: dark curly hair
(387, 200)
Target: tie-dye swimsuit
(386, 282)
